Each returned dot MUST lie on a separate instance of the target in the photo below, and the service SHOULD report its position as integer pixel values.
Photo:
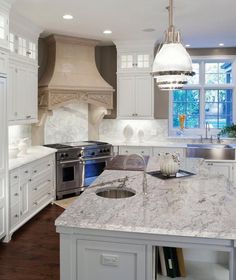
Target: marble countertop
(149, 144)
(33, 153)
(195, 206)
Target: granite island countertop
(196, 206)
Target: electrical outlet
(110, 260)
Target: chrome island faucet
(144, 169)
(207, 129)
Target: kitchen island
(111, 239)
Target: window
(12, 42)
(208, 97)
(22, 46)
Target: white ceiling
(203, 23)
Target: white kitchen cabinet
(23, 92)
(110, 260)
(32, 187)
(128, 150)
(135, 96)
(222, 168)
(23, 47)
(3, 160)
(4, 23)
(134, 61)
(3, 62)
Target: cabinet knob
(49, 193)
(15, 177)
(16, 194)
(36, 203)
(49, 180)
(35, 171)
(30, 180)
(16, 216)
(49, 164)
(26, 171)
(35, 189)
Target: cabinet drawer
(41, 166)
(39, 190)
(37, 202)
(14, 177)
(14, 215)
(25, 172)
(135, 150)
(14, 194)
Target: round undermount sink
(115, 193)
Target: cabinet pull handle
(49, 193)
(35, 189)
(49, 164)
(49, 180)
(36, 203)
(28, 52)
(28, 117)
(35, 171)
(15, 177)
(16, 194)
(26, 171)
(30, 180)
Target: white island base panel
(103, 255)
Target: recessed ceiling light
(107, 32)
(68, 17)
(221, 44)
(187, 46)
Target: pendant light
(172, 64)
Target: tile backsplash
(67, 124)
(133, 130)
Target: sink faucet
(207, 129)
(144, 170)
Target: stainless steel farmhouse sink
(211, 151)
(115, 192)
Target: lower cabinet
(222, 168)
(107, 260)
(32, 187)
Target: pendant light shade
(172, 64)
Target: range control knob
(62, 156)
(66, 155)
(79, 155)
(93, 154)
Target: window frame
(202, 87)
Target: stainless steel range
(78, 164)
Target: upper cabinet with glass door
(129, 62)
(134, 57)
(22, 46)
(4, 23)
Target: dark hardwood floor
(33, 252)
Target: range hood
(71, 74)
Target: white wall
(17, 132)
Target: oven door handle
(95, 158)
(69, 161)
